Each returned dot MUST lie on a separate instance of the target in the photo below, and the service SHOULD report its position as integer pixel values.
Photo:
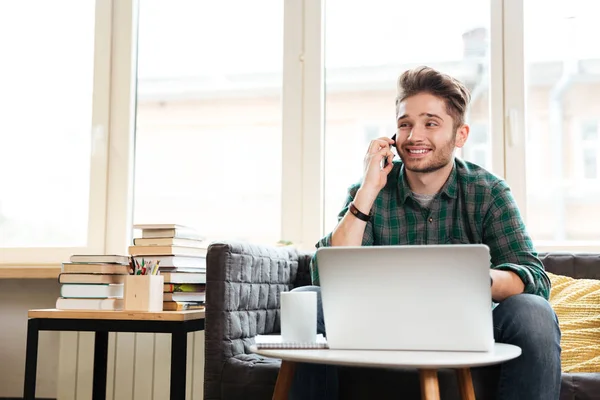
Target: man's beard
(439, 159)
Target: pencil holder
(143, 293)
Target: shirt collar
(450, 188)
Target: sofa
(242, 300)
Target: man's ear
(462, 134)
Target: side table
(427, 362)
(177, 323)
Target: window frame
(99, 163)
(507, 112)
(315, 91)
(514, 85)
(303, 102)
(303, 99)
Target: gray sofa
(242, 300)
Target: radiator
(139, 366)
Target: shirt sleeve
(511, 248)
(326, 241)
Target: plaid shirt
(473, 206)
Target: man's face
(426, 137)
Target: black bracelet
(358, 214)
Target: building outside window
(589, 149)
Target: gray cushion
(249, 376)
(242, 300)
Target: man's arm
(515, 266)
(505, 284)
(350, 230)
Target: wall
(16, 298)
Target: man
(429, 197)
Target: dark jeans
(523, 320)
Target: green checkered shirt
(473, 206)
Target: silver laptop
(429, 297)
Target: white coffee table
(427, 362)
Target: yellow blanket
(577, 305)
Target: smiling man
(431, 197)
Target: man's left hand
(505, 284)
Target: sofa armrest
(575, 265)
(243, 286)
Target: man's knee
(529, 319)
(530, 310)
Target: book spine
(183, 287)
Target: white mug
(299, 317)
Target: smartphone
(385, 160)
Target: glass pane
(208, 135)
(45, 129)
(563, 110)
(362, 66)
(590, 163)
(589, 130)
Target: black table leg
(178, 362)
(100, 361)
(31, 359)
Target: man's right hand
(374, 176)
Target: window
(53, 129)
(590, 147)
(208, 131)
(249, 124)
(478, 149)
(373, 130)
(561, 88)
(362, 66)
(590, 163)
(589, 131)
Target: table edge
(109, 315)
(289, 357)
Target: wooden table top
(53, 313)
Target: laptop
(422, 297)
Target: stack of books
(180, 253)
(93, 282)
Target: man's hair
(428, 80)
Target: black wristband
(358, 214)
